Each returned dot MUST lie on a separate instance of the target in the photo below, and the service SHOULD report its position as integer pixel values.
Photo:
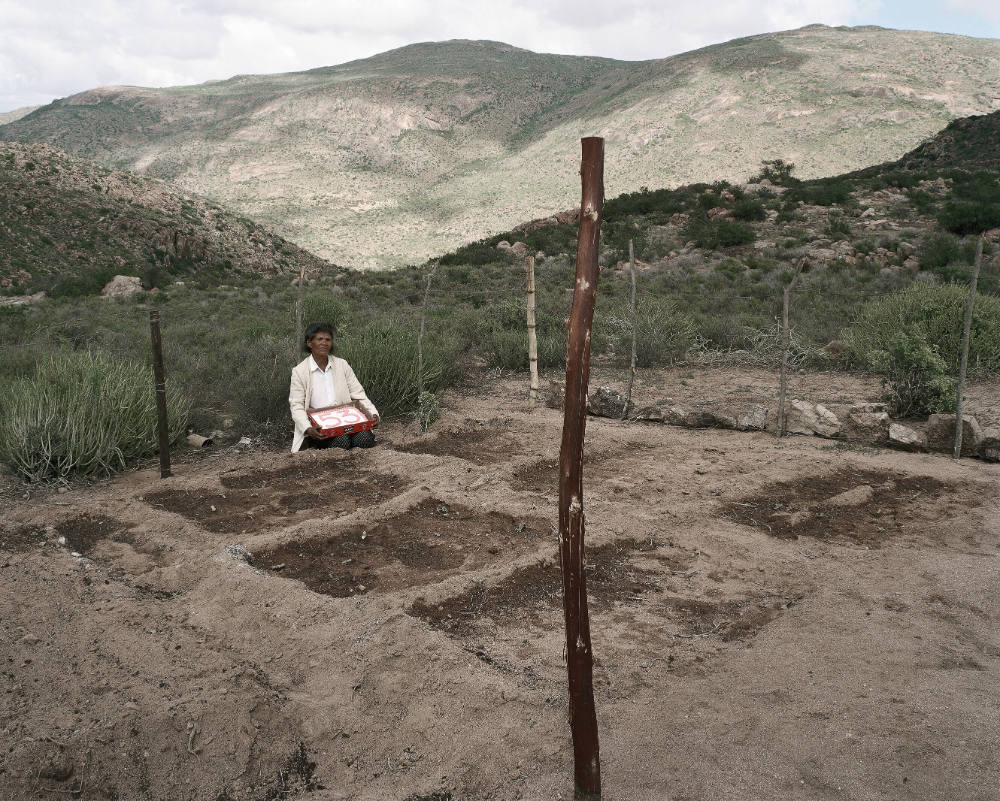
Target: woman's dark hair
(312, 330)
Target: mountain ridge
(390, 159)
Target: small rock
(63, 490)
(556, 395)
(852, 497)
(605, 402)
(989, 448)
(869, 427)
(31, 639)
(805, 418)
(122, 286)
(905, 438)
(649, 414)
(755, 418)
(675, 416)
(940, 433)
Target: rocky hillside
(871, 230)
(394, 158)
(68, 225)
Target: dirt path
(771, 620)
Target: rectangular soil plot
(481, 446)
(863, 506)
(531, 593)
(425, 544)
(278, 499)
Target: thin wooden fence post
(631, 375)
(161, 393)
(579, 655)
(298, 316)
(786, 341)
(420, 336)
(529, 264)
(966, 332)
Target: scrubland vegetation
(714, 260)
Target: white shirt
(323, 393)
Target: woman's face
(320, 344)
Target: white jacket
(346, 388)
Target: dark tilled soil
(279, 497)
(529, 591)
(543, 476)
(481, 446)
(881, 505)
(20, 539)
(83, 533)
(421, 546)
(731, 620)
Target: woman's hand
(313, 433)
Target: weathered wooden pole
(420, 336)
(529, 264)
(966, 332)
(579, 656)
(786, 341)
(161, 393)
(631, 375)
(298, 317)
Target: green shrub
(749, 208)
(501, 333)
(825, 192)
(937, 250)
(384, 357)
(664, 334)
(777, 171)
(428, 410)
(713, 234)
(915, 378)
(933, 315)
(83, 413)
(259, 388)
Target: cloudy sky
(54, 48)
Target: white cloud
(985, 9)
(52, 48)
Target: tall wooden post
(161, 393)
(579, 655)
(529, 264)
(631, 375)
(298, 317)
(964, 363)
(786, 340)
(420, 335)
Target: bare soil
(793, 619)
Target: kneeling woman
(325, 380)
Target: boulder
(122, 286)
(989, 447)
(806, 418)
(605, 402)
(940, 432)
(519, 249)
(755, 418)
(869, 427)
(905, 438)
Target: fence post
(161, 393)
(786, 340)
(579, 655)
(420, 336)
(529, 264)
(964, 363)
(631, 375)
(298, 317)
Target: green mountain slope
(390, 159)
(68, 225)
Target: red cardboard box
(332, 421)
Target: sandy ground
(799, 619)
